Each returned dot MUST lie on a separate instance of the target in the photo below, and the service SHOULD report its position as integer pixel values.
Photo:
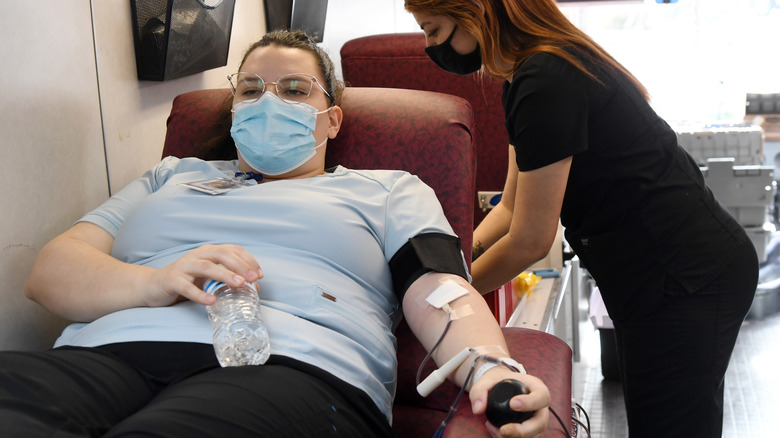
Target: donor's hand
(184, 278)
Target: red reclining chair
(399, 61)
(430, 135)
(386, 60)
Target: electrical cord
(578, 422)
(587, 429)
(557, 417)
(583, 412)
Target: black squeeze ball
(498, 411)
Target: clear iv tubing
(435, 346)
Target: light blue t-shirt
(323, 244)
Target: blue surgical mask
(275, 137)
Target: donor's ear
(335, 115)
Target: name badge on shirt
(217, 186)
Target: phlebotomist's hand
(184, 278)
(537, 401)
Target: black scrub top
(636, 208)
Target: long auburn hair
(511, 31)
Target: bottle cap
(212, 285)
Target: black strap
(424, 253)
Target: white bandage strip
(448, 292)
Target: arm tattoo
(477, 250)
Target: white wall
(62, 88)
(134, 112)
(50, 136)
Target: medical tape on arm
(446, 293)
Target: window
(698, 58)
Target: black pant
(175, 390)
(673, 361)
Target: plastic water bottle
(240, 337)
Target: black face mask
(447, 58)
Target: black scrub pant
(175, 390)
(673, 361)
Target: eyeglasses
(293, 88)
